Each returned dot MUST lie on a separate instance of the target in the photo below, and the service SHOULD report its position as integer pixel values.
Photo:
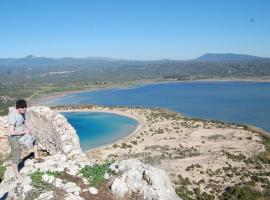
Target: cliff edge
(68, 173)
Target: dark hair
(21, 103)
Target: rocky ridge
(60, 176)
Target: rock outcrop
(24, 187)
(59, 138)
(55, 134)
(130, 176)
(152, 183)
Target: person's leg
(36, 154)
(15, 154)
(15, 169)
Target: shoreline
(187, 149)
(141, 124)
(47, 97)
(195, 149)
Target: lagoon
(230, 101)
(97, 129)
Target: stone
(106, 176)
(71, 196)
(58, 182)
(119, 188)
(71, 187)
(151, 182)
(48, 179)
(93, 190)
(46, 195)
(73, 170)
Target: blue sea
(230, 101)
(97, 128)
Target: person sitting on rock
(17, 128)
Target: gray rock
(71, 196)
(55, 134)
(106, 176)
(119, 188)
(93, 190)
(48, 179)
(151, 182)
(71, 187)
(46, 196)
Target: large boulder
(55, 134)
(152, 183)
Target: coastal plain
(202, 157)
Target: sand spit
(198, 154)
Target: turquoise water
(231, 101)
(97, 128)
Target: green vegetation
(39, 186)
(265, 156)
(125, 145)
(2, 169)
(36, 178)
(235, 157)
(187, 194)
(193, 166)
(55, 173)
(95, 174)
(134, 142)
(241, 193)
(216, 137)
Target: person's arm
(27, 129)
(13, 132)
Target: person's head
(21, 105)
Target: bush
(265, 156)
(36, 178)
(240, 193)
(2, 169)
(55, 173)
(95, 174)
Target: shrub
(240, 193)
(36, 178)
(55, 173)
(2, 169)
(95, 174)
(265, 156)
(39, 185)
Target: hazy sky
(134, 29)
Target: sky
(134, 29)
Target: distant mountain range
(42, 70)
(31, 60)
(213, 57)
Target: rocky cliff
(67, 173)
(54, 133)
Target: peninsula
(168, 156)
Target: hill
(31, 76)
(214, 57)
